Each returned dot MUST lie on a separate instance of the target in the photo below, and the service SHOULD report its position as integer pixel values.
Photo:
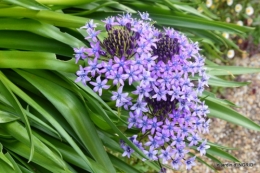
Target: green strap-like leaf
(6, 91)
(43, 29)
(35, 60)
(75, 113)
(6, 117)
(5, 168)
(230, 70)
(48, 117)
(225, 113)
(220, 153)
(4, 158)
(30, 41)
(51, 161)
(31, 4)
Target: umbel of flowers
(162, 65)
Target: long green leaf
(31, 4)
(71, 156)
(214, 81)
(188, 22)
(4, 158)
(75, 113)
(6, 117)
(65, 2)
(6, 91)
(122, 165)
(6, 168)
(223, 112)
(43, 29)
(51, 17)
(230, 70)
(35, 60)
(51, 161)
(218, 152)
(48, 117)
(23, 40)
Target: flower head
(99, 85)
(249, 11)
(226, 35)
(238, 8)
(209, 3)
(229, 2)
(190, 162)
(151, 71)
(240, 23)
(203, 147)
(230, 53)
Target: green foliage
(51, 124)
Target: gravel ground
(221, 132)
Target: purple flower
(122, 21)
(155, 125)
(190, 162)
(163, 98)
(118, 77)
(107, 68)
(178, 141)
(99, 85)
(175, 93)
(199, 124)
(132, 120)
(142, 91)
(204, 109)
(180, 151)
(205, 126)
(110, 21)
(194, 139)
(94, 50)
(143, 124)
(143, 46)
(139, 106)
(138, 63)
(165, 81)
(128, 103)
(159, 93)
(152, 142)
(166, 155)
(176, 163)
(89, 25)
(168, 126)
(82, 76)
(146, 78)
(163, 170)
(151, 40)
(80, 53)
(128, 151)
(132, 74)
(184, 105)
(120, 64)
(119, 97)
(92, 34)
(144, 16)
(203, 147)
(149, 60)
(93, 67)
(151, 154)
(162, 137)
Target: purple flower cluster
(166, 105)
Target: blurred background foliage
(240, 12)
(51, 124)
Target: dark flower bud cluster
(167, 108)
